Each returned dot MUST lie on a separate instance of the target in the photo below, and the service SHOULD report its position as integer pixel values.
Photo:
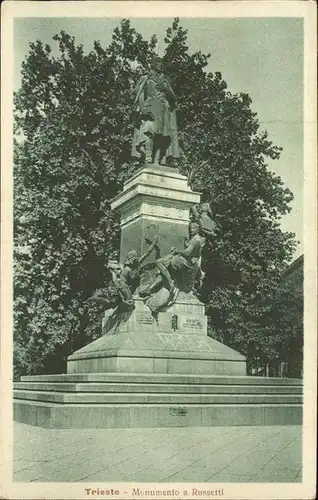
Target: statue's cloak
(154, 113)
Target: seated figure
(178, 268)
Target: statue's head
(156, 63)
(132, 257)
(115, 267)
(194, 228)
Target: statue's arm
(150, 249)
(209, 210)
(134, 90)
(125, 273)
(171, 96)
(195, 213)
(170, 89)
(188, 251)
(138, 89)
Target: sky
(259, 56)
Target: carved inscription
(179, 411)
(162, 192)
(193, 323)
(122, 198)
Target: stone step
(103, 416)
(133, 387)
(153, 398)
(145, 378)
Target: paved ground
(192, 454)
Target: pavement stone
(110, 474)
(239, 454)
(290, 457)
(280, 475)
(254, 461)
(164, 454)
(231, 478)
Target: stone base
(142, 400)
(160, 354)
(175, 342)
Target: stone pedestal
(156, 200)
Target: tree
(72, 155)
(286, 313)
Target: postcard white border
(302, 9)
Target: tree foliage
(72, 155)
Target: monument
(154, 364)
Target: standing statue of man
(155, 137)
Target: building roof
(295, 266)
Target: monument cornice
(155, 218)
(144, 189)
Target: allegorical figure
(126, 277)
(202, 214)
(178, 268)
(155, 137)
